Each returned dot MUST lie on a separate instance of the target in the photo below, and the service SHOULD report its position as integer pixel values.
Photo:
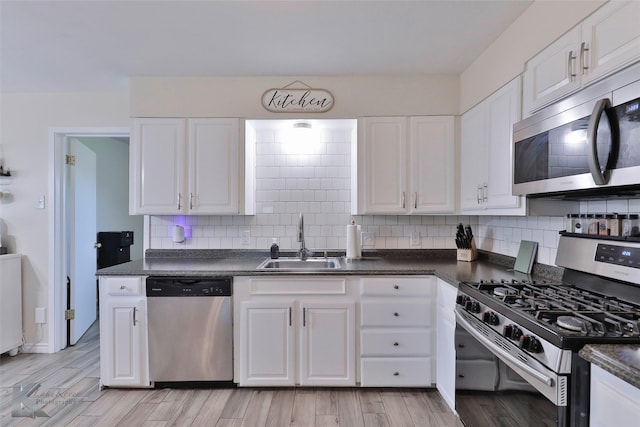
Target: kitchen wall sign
(304, 99)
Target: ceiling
(96, 45)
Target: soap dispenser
(275, 250)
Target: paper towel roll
(178, 234)
(353, 241)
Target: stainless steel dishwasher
(190, 329)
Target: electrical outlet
(415, 238)
(41, 314)
(246, 236)
(368, 240)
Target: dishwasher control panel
(188, 286)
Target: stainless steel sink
(296, 264)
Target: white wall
(25, 120)
(541, 24)
(112, 195)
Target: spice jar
(614, 224)
(592, 222)
(580, 226)
(603, 224)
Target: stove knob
(516, 333)
(535, 346)
(461, 299)
(475, 307)
(523, 343)
(506, 331)
(491, 318)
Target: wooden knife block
(468, 255)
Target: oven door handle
(502, 354)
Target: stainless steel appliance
(517, 342)
(585, 145)
(190, 329)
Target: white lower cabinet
(396, 332)
(445, 342)
(613, 401)
(124, 354)
(286, 336)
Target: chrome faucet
(303, 252)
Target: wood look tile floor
(69, 395)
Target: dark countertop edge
(611, 358)
(255, 253)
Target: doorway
(85, 198)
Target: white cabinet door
(486, 150)
(157, 162)
(445, 343)
(432, 164)
(382, 153)
(612, 37)
(613, 401)
(123, 342)
(553, 73)
(473, 160)
(503, 110)
(327, 344)
(267, 354)
(213, 147)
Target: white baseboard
(35, 348)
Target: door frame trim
(57, 290)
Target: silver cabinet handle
(134, 316)
(485, 190)
(478, 193)
(190, 200)
(584, 65)
(570, 61)
(289, 316)
(179, 201)
(600, 175)
(415, 204)
(304, 317)
(403, 201)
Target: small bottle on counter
(614, 224)
(631, 225)
(592, 222)
(580, 225)
(603, 224)
(275, 249)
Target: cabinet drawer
(416, 312)
(388, 286)
(398, 372)
(122, 286)
(398, 342)
(298, 286)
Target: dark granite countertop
(621, 360)
(441, 263)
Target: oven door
(497, 384)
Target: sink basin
(296, 264)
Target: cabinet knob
(395, 374)
(396, 287)
(122, 287)
(395, 344)
(396, 314)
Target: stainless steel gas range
(517, 342)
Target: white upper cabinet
(432, 164)
(184, 166)
(612, 35)
(405, 165)
(604, 42)
(486, 165)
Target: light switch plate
(415, 238)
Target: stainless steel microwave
(585, 145)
